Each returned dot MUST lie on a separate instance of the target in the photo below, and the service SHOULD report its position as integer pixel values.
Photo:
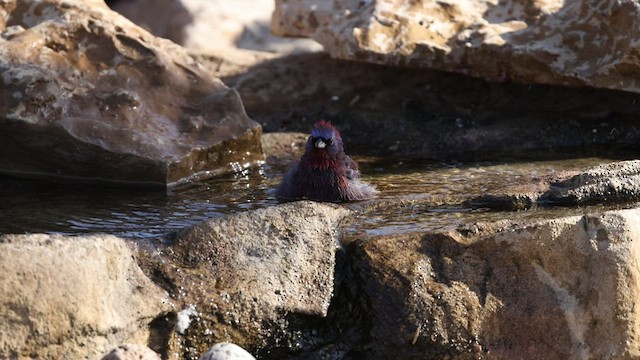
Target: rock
(73, 297)
(607, 183)
(283, 148)
(91, 97)
(227, 351)
(548, 289)
(383, 110)
(131, 352)
(248, 274)
(191, 23)
(548, 42)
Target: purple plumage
(325, 172)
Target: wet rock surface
(549, 42)
(610, 183)
(92, 97)
(252, 278)
(73, 297)
(606, 183)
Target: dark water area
(39, 207)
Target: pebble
(132, 352)
(227, 351)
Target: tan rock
(89, 96)
(238, 277)
(72, 297)
(572, 42)
(555, 289)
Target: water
(31, 207)
(430, 196)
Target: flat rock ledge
(91, 97)
(612, 183)
(607, 183)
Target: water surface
(37, 207)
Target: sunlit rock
(88, 95)
(610, 183)
(570, 42)
(248, 275)
(191, 23)
(546, 289)
(73, 297)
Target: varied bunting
(325, 172)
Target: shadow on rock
(384, 110)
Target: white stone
(227, 351)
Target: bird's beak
(320, 144)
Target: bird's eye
(330, 141)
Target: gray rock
(88, 96)
(607, 183)
(131, 352)
(227, 351)
(73, 297)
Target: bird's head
(324, 137)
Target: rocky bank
(281, 283)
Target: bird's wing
(351, 167)
(287, 188)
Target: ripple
(32, 207)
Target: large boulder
(89, 95)
(570, 42)
(73, 297)
(243, 277)
(545, 289)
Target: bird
(325, 173)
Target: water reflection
(32, 207)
